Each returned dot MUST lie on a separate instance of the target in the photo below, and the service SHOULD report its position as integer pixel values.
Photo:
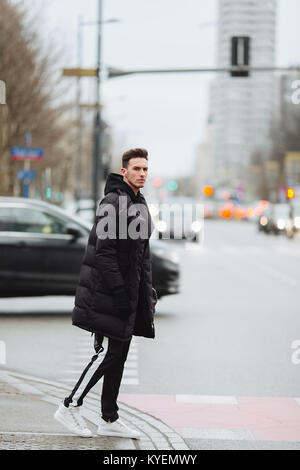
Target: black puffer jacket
(114, 297)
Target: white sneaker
(117, 429)
(72, 420)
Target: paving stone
(28, 422)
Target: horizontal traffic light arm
(113, 73)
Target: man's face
(136, 173)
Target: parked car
(281, 219)
(296, 215)
(265, 220)
(42, 247)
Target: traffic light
(240, 54)
(172, 185)
(290, 193)
(208, 191)
(157, 182)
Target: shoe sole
(61, 421)
(116, 434)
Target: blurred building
(204, 171)
(292, 170)
(289, 129)
(244, 106)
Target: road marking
(82, 355)
(278, 275)
(206, 399)
(73, 371)
(19, 384)
(129, 381)
(131, 364)
(249, 250)
(218, 433)
(128, 372)
(132, 357)
(2, 353)
(27, 433)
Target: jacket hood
(115, 181)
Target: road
(228, 333)
(230, 330)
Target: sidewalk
(27, 406)
(181, 422)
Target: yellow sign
(91, 106)
(80, 72)
(271, 165)
(292, 157)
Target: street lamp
(97, 157)
(97, 167)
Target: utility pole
(97, 157)
(97, 164)
(78, 166)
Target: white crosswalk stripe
(81, 356)
(231, 250)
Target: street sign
(80, 72)
(26, 153)
(27, 175)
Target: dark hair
(133, 153)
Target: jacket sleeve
(147, 268)
(106, 250)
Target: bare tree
(30, 96)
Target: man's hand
(98, 340)
(154, 298)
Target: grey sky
(164, 113)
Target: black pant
(111, 368)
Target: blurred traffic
(42, 247)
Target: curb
(155, 435)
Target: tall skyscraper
(243, 106)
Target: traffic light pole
(97, 156)
(78, 165)
(113, 72)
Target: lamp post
(79, 115)
(97, 156)
(97, 166)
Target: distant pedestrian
(115, 297)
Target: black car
(42, 247)
(277, 219)
(265, 221)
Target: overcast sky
(164, 113)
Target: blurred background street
(229, 331)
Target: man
(114, 297)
